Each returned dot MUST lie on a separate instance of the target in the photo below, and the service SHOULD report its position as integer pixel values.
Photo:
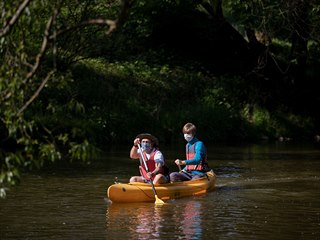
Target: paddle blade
(158, 200)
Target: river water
(267, 191)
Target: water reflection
(175, 219)
(191, 221)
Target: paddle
(158, 200)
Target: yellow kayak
(142, 192)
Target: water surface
(263, 192)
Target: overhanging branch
(36, 93)
(7, 28)
(113, 24)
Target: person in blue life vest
(196, 164)
(156, 169)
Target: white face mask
(146, 146)
(188, 137)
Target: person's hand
(149, 175)
(136, 142)
(178, 162)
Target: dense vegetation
(77, 76)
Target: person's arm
(159, 160)
(155, 171)
(134, 152)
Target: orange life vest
(190, 153)
(151, 164)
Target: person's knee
(133, 179)
(160, 179)
(174, 177)
(198, 176)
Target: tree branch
(39, 56)
(7, 28)
(44, 45)
(42, 50)
(36, 93)
(113, 24)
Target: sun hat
(150, 137)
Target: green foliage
(47, 128)
(127, 97)
(281, 125)
(133, 97)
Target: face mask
(146, 146)
(188, 137)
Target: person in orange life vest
(158, 171)
(196, 164)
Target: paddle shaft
(145, 165)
